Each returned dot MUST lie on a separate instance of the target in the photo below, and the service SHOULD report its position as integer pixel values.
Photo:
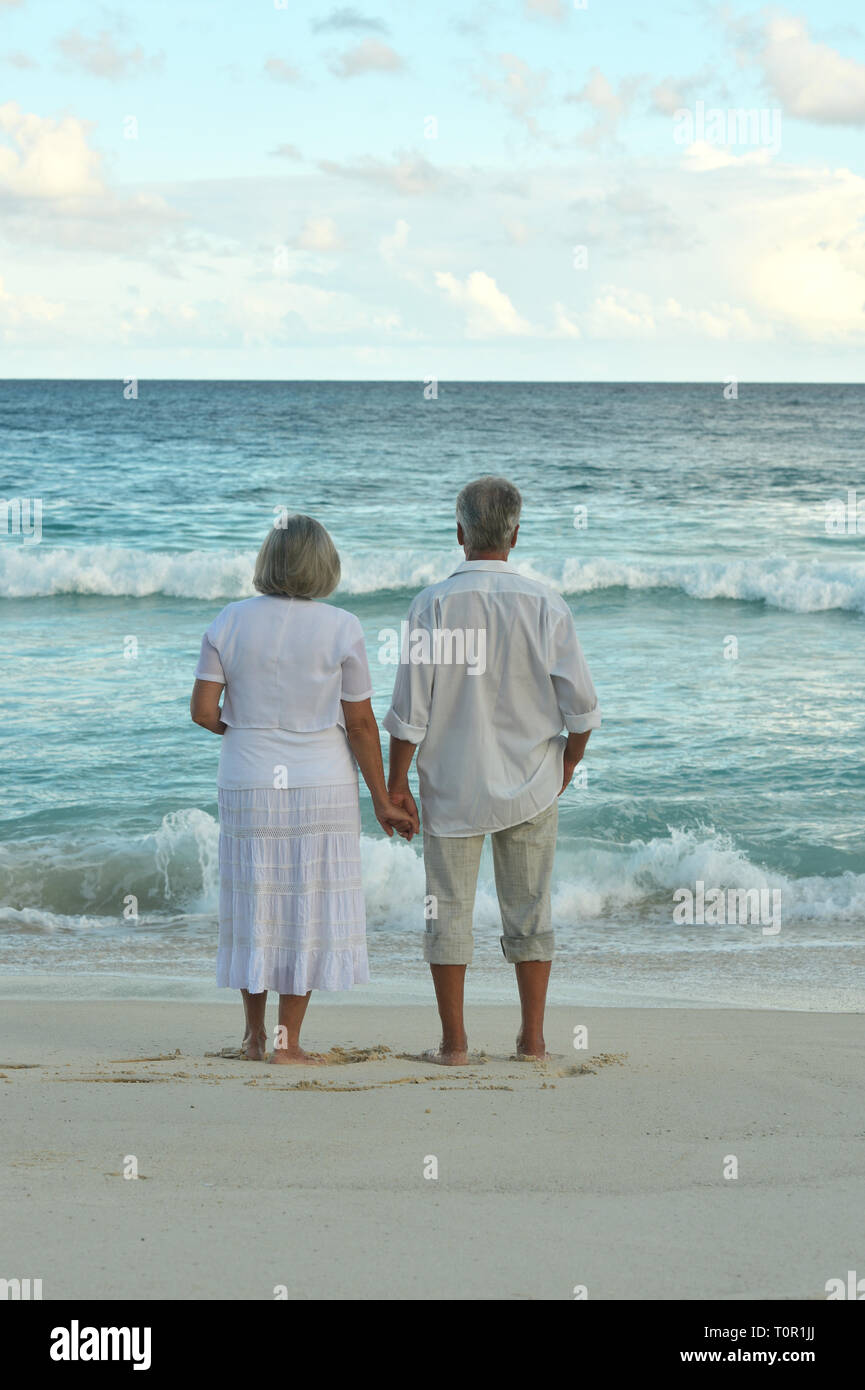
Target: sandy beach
(602, 1168)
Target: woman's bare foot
(295, 1056)
(254, 1049)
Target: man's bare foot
(532, 1048)
(254, 1049)
(295, 1056)
(446, 1057)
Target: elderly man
(491, 673)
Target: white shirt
(286, 665)
(489, 725)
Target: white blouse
(286, 665)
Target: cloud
(702, 157)
(53, 191)
(599, 94)
(781, 255)
(281, 71)
(547, 9)
(610, 104)
(286, 314)
(628, 217)
(411, 174)
(101, 57)
(628, 313)
(564, 324)
(718, 320)
(25, 311)
(53, 159)
(669, 95)
(391, 249)
(477, 23)
(520, 90)
(287, 152)
(368, 56)
(811, 80)
(320, 312)
(672, 93)
(318, 234)
(19, 60)
(806, 259)
(349, 18)
(513, 187)
(621, 313)
(489, 312)
(518, 233)
(179, 323)
(389, 246)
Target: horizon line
(449, 381)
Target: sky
(532, 190)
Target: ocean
(710, 553)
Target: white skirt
(291, 909)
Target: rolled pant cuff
(521, 948)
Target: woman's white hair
(298, 559)
(488, 510)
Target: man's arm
(406, 720)
(399, 762)
(574, 750)
(575, 692)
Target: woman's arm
(204, 705)
(362, 733)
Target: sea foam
(797, 586)
(82, 884)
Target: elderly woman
(296, 715)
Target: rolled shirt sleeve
(356, 678)
(409, 712)
(575, 692)
(209, 666)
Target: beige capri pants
(523, 861)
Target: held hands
(401, 801)
(393, 814)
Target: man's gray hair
(489, 511)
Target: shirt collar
(468, 565)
